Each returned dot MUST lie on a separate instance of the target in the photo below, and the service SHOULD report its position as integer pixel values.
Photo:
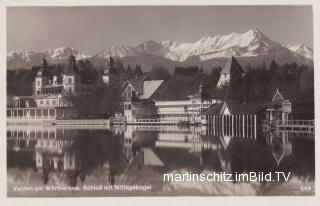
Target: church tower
(110, 74)
(71, 77)
(42, 78)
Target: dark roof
(137, 83)
(214, 109)
(71, 66)
(305, 108)
(251, 107)
(237, 107)
(232, 63)
(297, 96)
(217, 94)
(198, 95)
(232, 105)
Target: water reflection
(141, 154)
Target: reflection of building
(231, 70)
(50, 145)
(291, 105)
(280, 145)
(56, 151)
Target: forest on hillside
(258, 84)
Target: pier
(293, 126)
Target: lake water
(132, 161)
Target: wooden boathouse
(235, 119)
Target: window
(53, 102)
(38, 82)
(41, 102)
(47, 102)
(70, 90)
(70, 80)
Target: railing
(290, 122)
(297, 126)
(153, 120)
(78, 122)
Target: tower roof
(232, 63)
(71, 66)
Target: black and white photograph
(158, 101)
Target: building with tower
(231, 70)
(110, 74)
(52, 86)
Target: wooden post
(236, 125)
(247, 126)
(251, 126)
(232, 124)
(255, 126)
(213, 124)
(243, 135)
(228, 125)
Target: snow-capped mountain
(27, 59)
(251, 46)
(64, 53)
(302, 50)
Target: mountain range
(252, 47)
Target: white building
(185, 110)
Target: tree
(273, 67)
(137, 70)
(119, 66)
(186, 71)
(158, 72)
(102, 102)
(129, 71)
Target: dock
(292, 126)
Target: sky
(91, 29)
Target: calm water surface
(91, 158)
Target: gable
(232, 65)
(163, 93)
(150, 87)
(225, 110)
(277, 97)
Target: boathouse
(291, 105)
(235, 119)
